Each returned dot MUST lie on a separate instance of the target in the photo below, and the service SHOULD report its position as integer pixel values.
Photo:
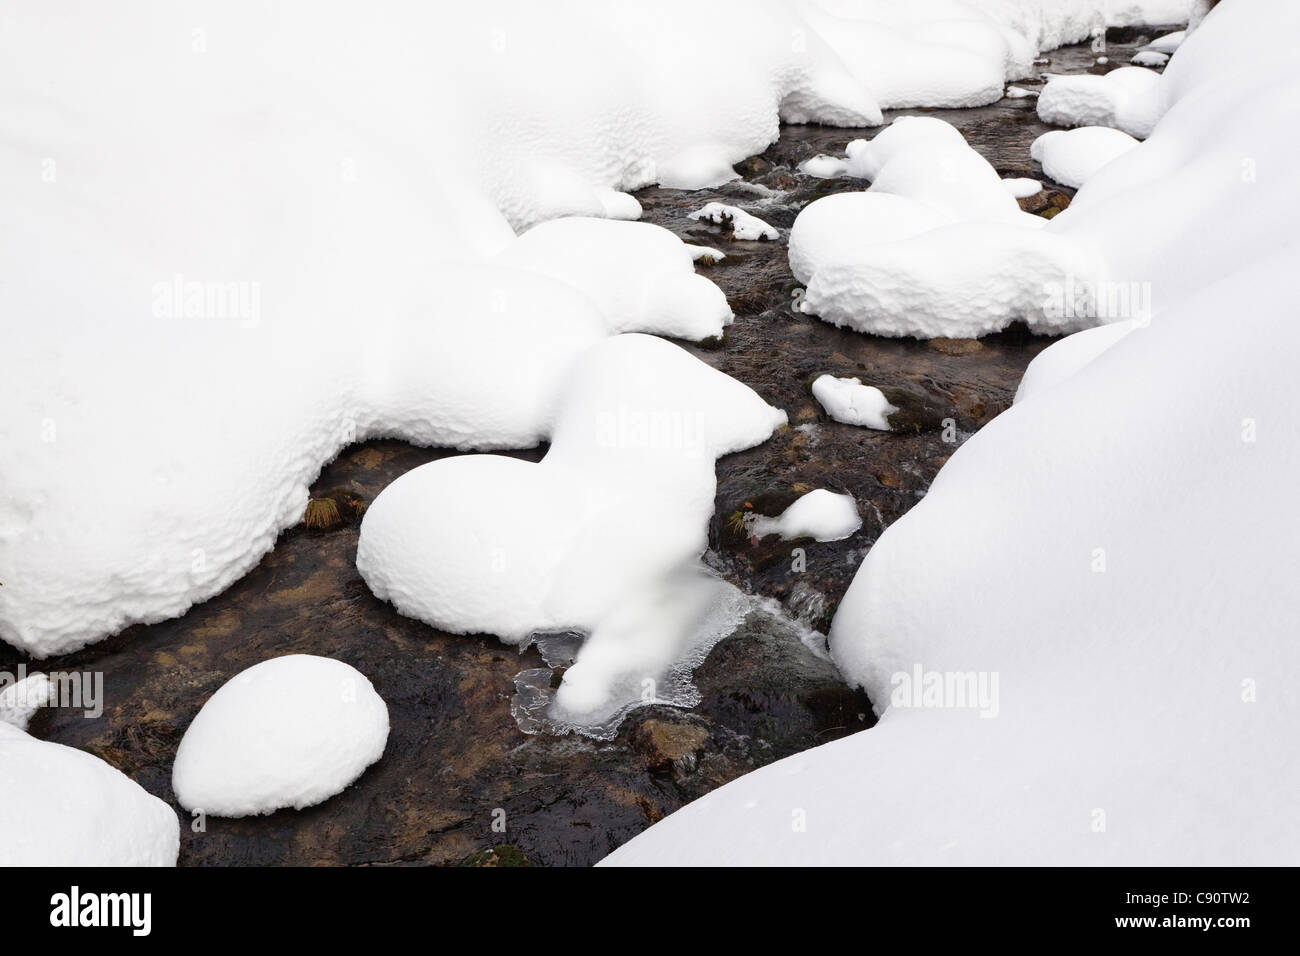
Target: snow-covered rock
(845, 227)
(64, 807)
(743, 225)
(20, 700)
(820, 514)
(596, 538)
(1127, 99)
(1072, 157)
(1110, 666)
(1149, 58)
(847, 400)
(640, 276)
(1021, 187)
(1167, 44)
(288, 732)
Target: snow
(288, 732)
(954, 53)
(1149, 58)
(1019, 93)
(20, 700)
(937, 246)
(597, 538)
(1072, 157)
(846, 226)
(63, 807)
(743, 225)
(266, 271)
(823, 167)
(820, 514)
(1117, 550)
(1022, 188)
(1127, 99)
(640, 276)
(1062, 359)
(847, 400)
(1168, 43)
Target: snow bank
(288, 732)
(820, 514)
(1098, 586)
(1127, 99)
(847, 400)
(63, 807)
(954, 53)
(599, 537)
(1072, 157)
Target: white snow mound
(64, 807)
(847, 400)
(820, 514)
(1072, 157)
(288, 732)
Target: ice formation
(1072, 157)
(288, 732)
(62, 807)
(820, 514)
(847, 400)
(1143, 654)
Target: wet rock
(753, 167)
(669, 744)
(956, 346)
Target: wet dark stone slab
(459, 782)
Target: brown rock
(665, 744)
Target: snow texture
(63, 807)
(598, 538)
(288, 732)
(1126, 99)
(847, 400)
(20, 700)
(820, 514)
(1072, 157)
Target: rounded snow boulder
(63, 807)
(288, 732)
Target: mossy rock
(507, 854)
